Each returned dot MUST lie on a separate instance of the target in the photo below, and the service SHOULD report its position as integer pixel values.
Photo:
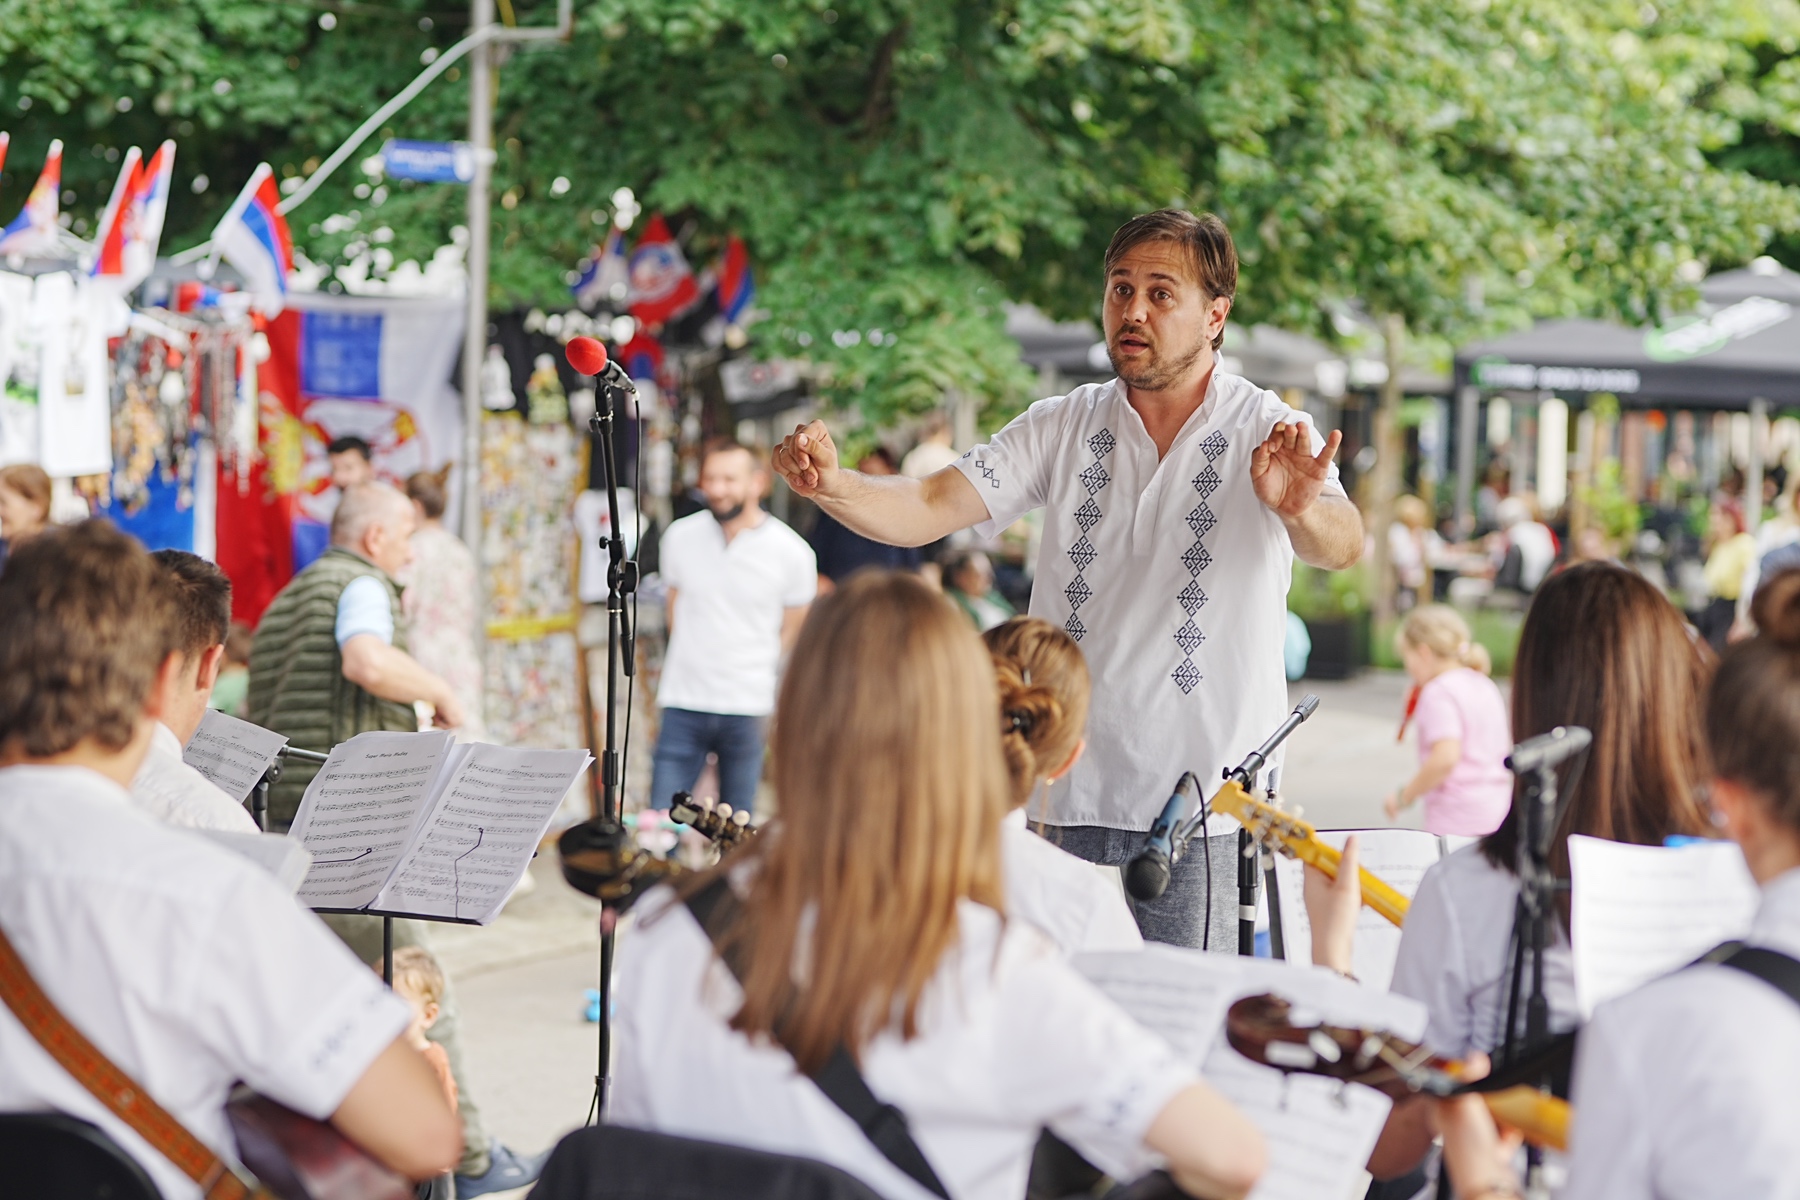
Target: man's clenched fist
(807, 458)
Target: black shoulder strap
(883, 1124)
(1778, 970)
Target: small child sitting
(419, 981)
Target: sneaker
(506, 1171)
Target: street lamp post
(481, 141)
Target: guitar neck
(1376, 893)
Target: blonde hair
(1442, 630)
(419, 973)
(891, 785)
(1044, 690)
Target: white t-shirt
(1687, 1088)
(183, 963)
(725, 650)
(1010, 1039)
(1455, 956)
(1062, 895)
(175, 794)
(1171, 575)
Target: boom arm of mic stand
(1245, 773)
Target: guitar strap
(1774, 968)
(713, 906)
(113, 1087)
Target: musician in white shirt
(166, 787)
(185, 965)
(1044, 690)
(871, 916)
(1603, 649)
(1175, 500)
(1686, 1088)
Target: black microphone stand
(611, 387)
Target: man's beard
(1157, 374)
(728, 515)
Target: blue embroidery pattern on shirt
(1083, 553)
(1189, 637)
(987, 472)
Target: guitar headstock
(1261, 1028)
(718, 824)
(1266, 822)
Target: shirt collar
(164, 741)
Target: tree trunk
(1385, 478)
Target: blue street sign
(428, 162)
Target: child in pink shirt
(1464, 731)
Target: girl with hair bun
(1461, 719)
(1043, 711)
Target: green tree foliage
(899, 169)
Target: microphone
(1548, 749)
(588, 356)
(1147, 875)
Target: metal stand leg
(1247, 885)
(1277, 936)
(387, 952)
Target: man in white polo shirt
(1175, 498)
(739, 583)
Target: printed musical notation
(232, 753)
(415, 824)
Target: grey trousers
(363, 936)
(1179, 916)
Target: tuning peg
(724, 811)
(707, 803)
(741, 818)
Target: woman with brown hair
(869, 917)
(24, 505)
(441, 601)
(1604, 649)
(1043, 712)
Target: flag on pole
(253, 237)
(736, 285)
(662, 283)
(607, 277)
(4, 139)
(642, 356)
(132, 224)
(34, 230)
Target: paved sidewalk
(531, 1056)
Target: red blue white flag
(662, 283)
(253, 237)
(132, 224)
(606, 278)
(34, 230)
(736, 285)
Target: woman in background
(1043, 712)
(440, 600)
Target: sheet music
(361, 810)
(1177, 993)
(1641, 911)
(1399, 857)
(276, 853)
(1319, 1132)
(232, 753)
(483, 826)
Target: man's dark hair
(341, 445)
(88, 619)
(202, 597)
(1208, 244)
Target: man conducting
(1176, 497)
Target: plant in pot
(1335, 607)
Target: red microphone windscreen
(587, 355)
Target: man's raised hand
(806, 458)
(1284, 473)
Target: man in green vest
(329, 660)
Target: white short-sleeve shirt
(176, 794)
(1010, 1039)
(1688, 1086)
(725, 651)
(1171, 575)
(185, 964)
(1455, 956)
(1066, 897)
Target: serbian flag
(737, 287)
(606, 279)
(132, 224)
(34, 230)
(662, 283)
(253, 237)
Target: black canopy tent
(1739, 351)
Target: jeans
(686, 739)
(1178, 917)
